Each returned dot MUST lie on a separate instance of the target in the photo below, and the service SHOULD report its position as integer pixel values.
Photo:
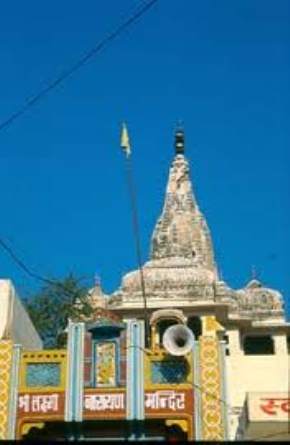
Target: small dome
(258, 298)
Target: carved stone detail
(181, 270)
(181, 231)
(258, 300)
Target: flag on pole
(125, 142)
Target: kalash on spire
(179, 141)
(181, 264)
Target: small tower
(96, 297)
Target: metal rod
(136, 232)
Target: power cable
(34, 275)
(84, 59)
(219, 399)
(195, 385)
(22, 265)
(31, 273)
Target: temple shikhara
(199, 361)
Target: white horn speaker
(178, 340)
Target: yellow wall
(6, 348)
(44, 356)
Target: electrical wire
(33, 274)
(22, 265)
(195, 385)
(144, 7)
(219, 399)
(46, 280)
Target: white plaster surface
(254, 373)
(15, 323)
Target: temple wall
(15, 323)
(254, 373)
(5, 370)
(4, 306)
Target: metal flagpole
(125, 144)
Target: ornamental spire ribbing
(181, 230)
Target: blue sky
(222, 67)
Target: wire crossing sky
(221, 67)
(144, 7)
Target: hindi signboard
(105, 404)
(44, 404)
(169, 401)
(159, 402)
(269, 407)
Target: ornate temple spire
(181, 230)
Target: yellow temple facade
(203, 362)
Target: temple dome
(176, 279)
(168, 273)
(255, 297)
